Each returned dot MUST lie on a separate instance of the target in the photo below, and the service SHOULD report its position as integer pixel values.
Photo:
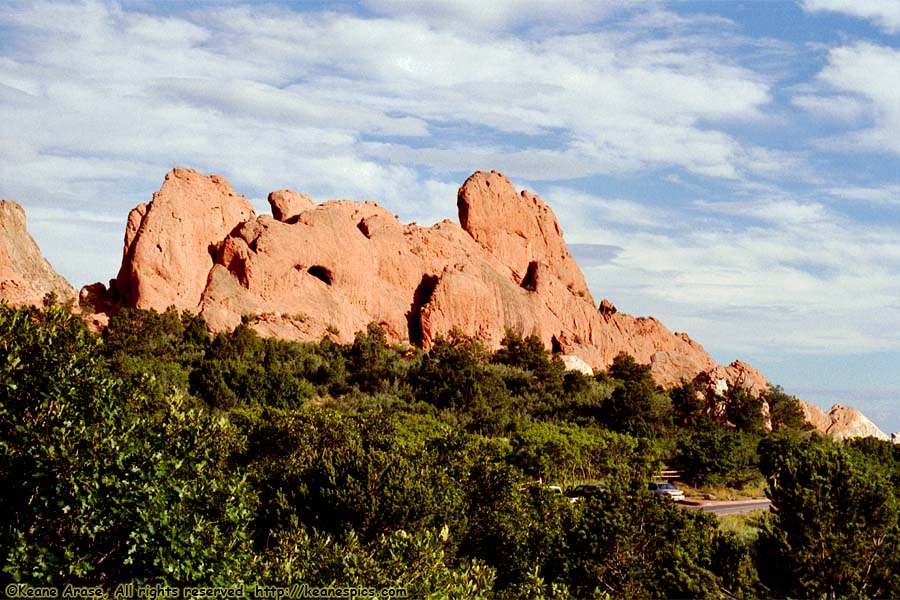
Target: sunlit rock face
(25, 275)
(311, 270)
(842, 422)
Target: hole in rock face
(363, 228)
(555, 345)
(422, 296)
(322, 273)
(529, 282)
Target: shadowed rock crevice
(422, 296)
(322, 273)
(530, 281)
(555, 345)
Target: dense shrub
(155, 453)
(833, 531)
(94, 491)
(718, 457)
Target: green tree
(420, 562)
(832, 531)
(526, 353)
(625, 368)
(361, 472)
(374, 366)
(627, 543)
(785, 411)
(638, 409)
(92, 489)
(744, 410)
(689, 406)
(718, 457)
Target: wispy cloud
(94, 79)
(393, 101)
(883, 195)
(883, 13)
(859, 84)
(798, 275)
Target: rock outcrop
(25, 275)
(170, 242)
(287, 205)
(841, 422)
(330, 269)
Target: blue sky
(729, 167)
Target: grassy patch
(745, 525)
(748, 492)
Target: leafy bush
(718, 457)
(833, 531)
(380, 466)
(95, 491)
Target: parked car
(584, 490)
(667, 490)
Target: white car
(666, 489)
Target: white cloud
(884, 195)
(884, 13)
(95, 91)
(770, 272)
(870, 75)
(582, 215)
(834, 107)
(499, 15)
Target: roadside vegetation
(156, 453)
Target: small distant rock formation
(895, 437)
(842, 422)
(573, 363)
(25, 275)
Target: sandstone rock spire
(170, 242)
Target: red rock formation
(170, 243)
(287, 205)
(331, 269)
(25, 275)
(841, 422)
(519, 229)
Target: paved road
(724, 507)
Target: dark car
(584, 490)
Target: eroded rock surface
(330, 269)
(842, 422)
(25, 275)
(170, 242)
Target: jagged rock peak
(517, 228)
(25, 275)
(170, 243)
